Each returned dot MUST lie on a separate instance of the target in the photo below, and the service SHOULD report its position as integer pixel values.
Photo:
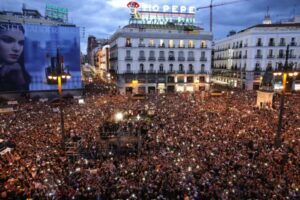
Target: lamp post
(56, 74)
(284, 73)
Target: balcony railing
(128, 58)
(151, 45)
(293, 44)
(245, 56)
(142, 45)
(142, 71)
(281, 44)
(181, 59)
(203, 59)
(181, 71)
(259, 44)
(270, 56)
(161, 58)
(281, 56)
(258, 56)
(151, 71)
(203, 46)
(190, 71)
(142, 58)
(190, 59)
(128, 71)
(271, 44)
(171, 58)
(292, 56)
(171, 71)
(161, 71)
(128, 45)
(151, 58)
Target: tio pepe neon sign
(168, 8)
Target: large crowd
(194, 148)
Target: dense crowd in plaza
(194, 148)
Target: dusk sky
(102, 17)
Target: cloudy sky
(102, 17)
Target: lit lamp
(135, 82)
(119, 116)
(284, 73)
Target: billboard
(29, 51)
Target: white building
(161, 58)
(241, 59)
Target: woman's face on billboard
(11, 45)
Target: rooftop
(169, 26)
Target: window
(171, 43)
(142, 54)
(190, 54)
(141, 42)
(161, 43)
(128, 42)
(151, 43)
(202, 67)
(180, 54)
(161, 54)
(171, 67)
(161, 67)
(181, 44)
(281, 53)
(127, 53)
(171, 56)
(259, 42)
(258, 52)
(151, 67)
(203, 44)
(282, 42)
(271, 42)
(141, 67)
(191, 44)
(128, 67)
(202, 54)
(270, 52)
(152, 54)
(191, 67)
(181, 68)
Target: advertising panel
(30, 52)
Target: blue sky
(102, 17)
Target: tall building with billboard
(241, 59)
(38, 44)
(161, 50)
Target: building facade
(160, 58)
(241, 59)
(102, 62)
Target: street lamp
(56, 74)
(284, 73)
(119, 116)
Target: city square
(159, 109)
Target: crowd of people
(194, 148)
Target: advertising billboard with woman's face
(28, 52)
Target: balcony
(181, 59)
(292, 56)
(190, 71)
(259, 44)
(190, 59)
(161, 71)
(191, 46)
(128, 71)
(281, 56)
(181, 46)
(151, 45)
(270, 56)
(281, 44)
(271, 44)
(203, 46)
(181, 71)
(202, 71)
(293, 44)
(151, 71)
(142, 45)
(128, 45)
(171, 71)
(258, 56)
(161, 59)
(142, 58)
(203, 59)
(142, 71)
(245, 45)
(162, 46)
(128, 58)
(151, 58)
(171, 58)
(245, 56)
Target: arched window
(128, 67)
(161, 67)
(181, 68)
(171, 67)
(191, 67)
(142, 67)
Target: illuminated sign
(56, 12)
(168, 8)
